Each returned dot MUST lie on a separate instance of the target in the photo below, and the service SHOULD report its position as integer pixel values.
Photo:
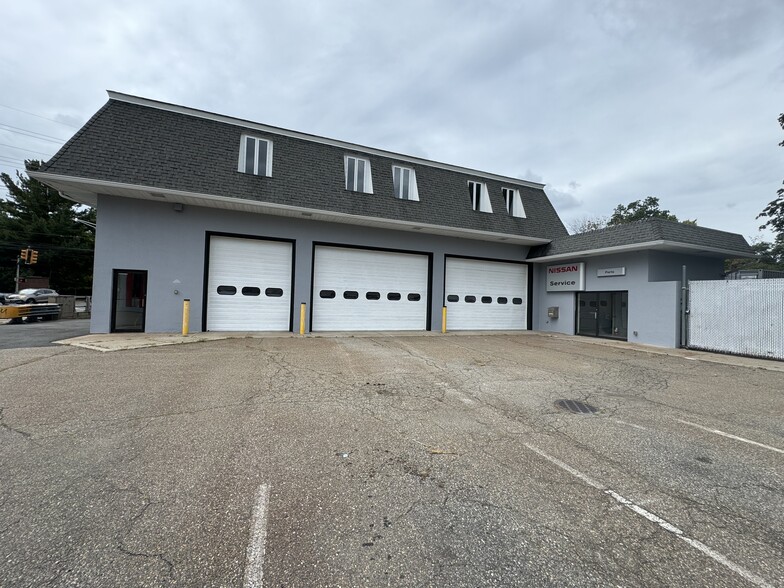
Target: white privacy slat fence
(744, 317)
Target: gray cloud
(562, 200)
(612, 100)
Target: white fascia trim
(245, 124)
(636, 247)
(519, 239)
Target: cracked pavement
(392, 461)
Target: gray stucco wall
(654, 307)
(666, 266)
(170, 246)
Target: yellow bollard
(302, 319)
(443, 319)
(186, 316)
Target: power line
(38, 116)
(23, 149)
(41, 246)
(33, 134)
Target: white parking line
(620, 422)
(254, 555)
(729, 436)
(669, 527)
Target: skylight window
(514, 204)
(358, 177)
(404, 180)
(255, 156)
(480, 199)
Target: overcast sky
(605, 101)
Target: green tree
(640, 210)
(587, 223)
(770, 256)
(37, 216)
(774, 211)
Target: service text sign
(568, 277)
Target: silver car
(31, 296)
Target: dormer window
(358, 178)
(514, 204)
(480, 199)
(404, 180)
(255, 156)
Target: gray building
(250, 222)
(629, 278)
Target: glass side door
(603, 314)
(129, 300)
(587, 313)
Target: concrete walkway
(107, 342)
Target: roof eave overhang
(658, 245)
(85, 191)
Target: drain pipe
(684, 309)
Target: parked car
(30, 296)
(3, 296)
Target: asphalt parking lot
(40, 333)
(388, 461)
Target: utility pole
(16, 281)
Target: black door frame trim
(113, 305)
(577, 314)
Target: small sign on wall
(568, 277)
(609, 272)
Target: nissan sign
(569, 277)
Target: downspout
(684, 309)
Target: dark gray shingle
(644, 231)
(137, 144)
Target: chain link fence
(742, 317)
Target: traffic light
(33, 257)
(24, 254)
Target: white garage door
(363, 290)
(249, 285)
(485, 295)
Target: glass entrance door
(602, 314)
(129, 300)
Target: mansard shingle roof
(157, 145)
